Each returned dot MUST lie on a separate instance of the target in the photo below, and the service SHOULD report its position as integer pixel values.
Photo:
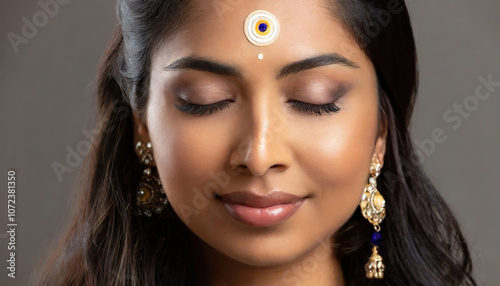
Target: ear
(380, 143)
(140, 131)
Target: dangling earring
(150, 195)
(373, 208)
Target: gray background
(46, 103)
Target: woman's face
(223, 167)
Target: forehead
(215, 29)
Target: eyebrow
(314, 62)
(203, 64)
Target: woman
(258, 143)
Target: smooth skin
(259, 140)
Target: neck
(318, 267)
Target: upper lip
(260, 201)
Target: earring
(150, 195)
(373, 209)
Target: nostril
(239, 168)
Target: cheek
(188, 154)
(336, 158)
(342, 152)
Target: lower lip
(262, 217)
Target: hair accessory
(261, 28)
(373, 209)
(150, 196)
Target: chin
(264, 257)
(268, 251)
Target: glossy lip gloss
(261, 211)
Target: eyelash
(202, 109)
(317, 109)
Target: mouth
(261, 211)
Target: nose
(263, 146)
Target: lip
(261, 210)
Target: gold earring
(150, 196)
(373, 209)
(145, 152)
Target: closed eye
(317, 109)
(309, 108)
(202, 109)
